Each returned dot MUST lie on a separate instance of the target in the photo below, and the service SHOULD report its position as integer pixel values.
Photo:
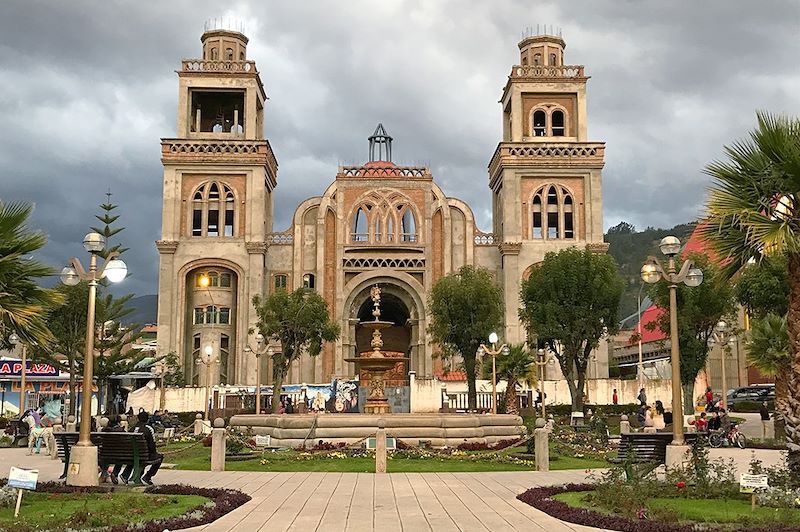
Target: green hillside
(630, 248)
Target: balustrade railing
(546, 71)
(217, 65)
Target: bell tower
(219, 176)
(545, 175)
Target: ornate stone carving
(510, 248)
(218, 65)
(166, 246)
(484, 239)
(597, 247)
(256, 247)
(371, 263)
(418, 172)
(281, 239)
(548, 71)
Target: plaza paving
(365, 502)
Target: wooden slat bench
(123, 448)
(647, 447)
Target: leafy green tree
(518, 366)
(569, 302)
(23, 303)
(114, 354)
(173, 374)
(768, 351)
(465, 307)
(763, 287)
(699, 310)
(68, 324)
(300, 321)
(754, 210)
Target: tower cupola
(380, 145)
(542, 47)
(222, 43)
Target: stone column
(198, 424)
(218, 445)
(541, 446)
(624, 425)
(380, 447)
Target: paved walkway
(366, 502)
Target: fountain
(374, 362)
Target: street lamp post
(652, 272)
(208, 359)
(82, 470)
(722, 337)
(640, 367)
(494, 351)
(260, 350)
(14, 340)
(542, 359)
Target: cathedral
(376, 223)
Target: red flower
(681, 485)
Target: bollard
(624, 425)
(541, 446)
(103, 423)
(198, 424)
(380, 447)
(218, 445)
(123, 421)
(57, 427)
(71, 424)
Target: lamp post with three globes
(494, 351)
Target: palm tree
(515, 367)
(754, 210)
(23, 303)
(768, 351)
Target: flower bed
(221, 502)
(542, 499)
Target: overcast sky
(88, 89)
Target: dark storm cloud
(88, 89)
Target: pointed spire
(383, 142)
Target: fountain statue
(374, 363)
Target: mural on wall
(338, 396)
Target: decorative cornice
(256, 248)
(510, 248)
(545, 155)
(597, 247)
(166, 246)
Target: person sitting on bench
(113, 426)
(152, 454)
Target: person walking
(642, 398)
(615, 397)
(709, 399)
(764, 411)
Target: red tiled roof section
(452, 376)
(697, 244)
(651, 315)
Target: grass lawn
(698, 510)
(199, 458)
(59, 511)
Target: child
(701, 424)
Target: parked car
(755, 393)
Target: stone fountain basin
(442, 430)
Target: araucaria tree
(754, 210)
(699, 310)
(569, 302)
(465, 307)
(300, 322)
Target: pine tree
(107, 218)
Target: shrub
(751, 406)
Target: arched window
(537, 59)
(309, 281)
(225, 280)
(229, 207)
(390, 228)
(213, 210)
(552, 213)
(229, 54)
(553, 59)
(409, 227)
(360, 228)
(537, 216)
(377, 229)
(213, 279)
(557, 123)
(281, 281)
(241, 56)
(224, 352)
(539, 123)
(524, 61)
(214, 54)
(569, 222)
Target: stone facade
(377, 223)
